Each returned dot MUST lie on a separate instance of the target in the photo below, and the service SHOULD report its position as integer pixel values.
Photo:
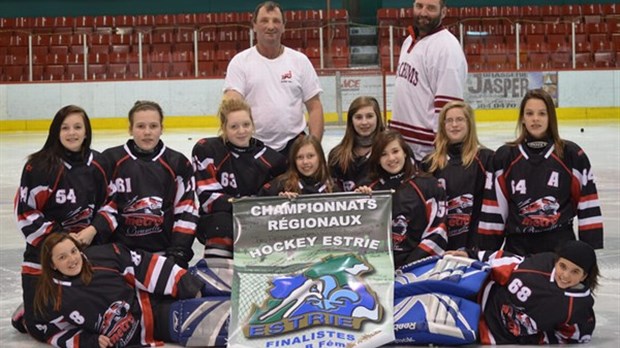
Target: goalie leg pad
(200, 322)
(216, 274)
(449, 275)
(435, 319)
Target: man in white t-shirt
(277, 82)
(432, 71)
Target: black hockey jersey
(224, 171)
(418, 217)
(523, 304)
(117, 302)
(152, 205)
(536, 192)
(464, 193)
(63, 199)
(306, 186)
(356, 173)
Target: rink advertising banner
(313, 272)
(505, 90)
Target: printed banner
(313, 272)
(505, 90)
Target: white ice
(600, 140)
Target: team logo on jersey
(145, 214)
(118, 323)
(543, 212)
(329, 293)
(78, 219)
(459, 213)
(399, 231)
(517, 322)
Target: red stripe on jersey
(591, 197)
(24, 216)
(426, 249)
(177, 279)
(103, 268)
(184, 230)
(118, 163)
(265, 161)
(570, 309)
(109, 221)
(480, 164)
(421, 195)
(147, 316)
(130, 279)
(220, 241)
(596, 226)
(502, 273)
(188, 202)
(219, 165)
(485, 334)
(31, 271)
(41, 198)
(40, 239)
(512, 164)
(490, 232)
(546, 274)
(58, 177)
(489, 202)
(501, 182)
(206, 182)
(211, 169)
(149, 272)
(167, 166)
(575, 192)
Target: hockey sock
(219, 247)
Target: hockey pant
(200, 322)
(430, 300)
(216, 274)
(215, 231)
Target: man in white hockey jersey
(431, 72)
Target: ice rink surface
(600, 140)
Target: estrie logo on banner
(323, 281)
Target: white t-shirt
(430, 74)
(276, 89)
